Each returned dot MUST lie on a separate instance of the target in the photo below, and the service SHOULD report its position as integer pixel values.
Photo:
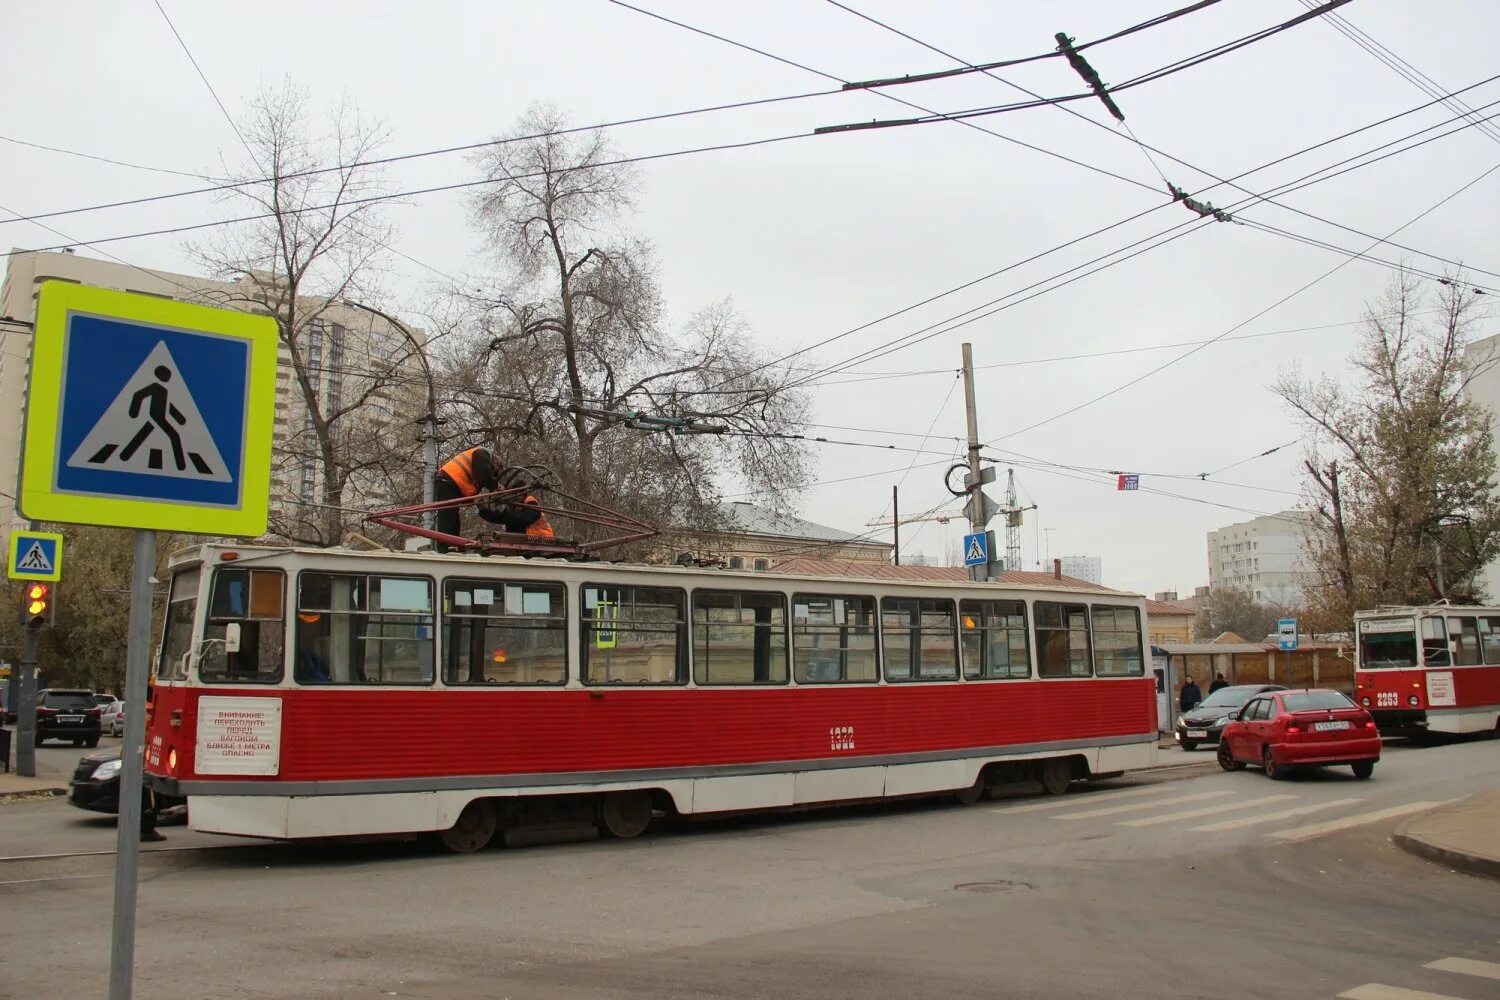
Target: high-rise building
(1089, 568)
(1265, 558)
(352, 360)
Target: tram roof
(796, 568)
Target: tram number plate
(1386, 699)
(1324, 727)
(70, 718)
(1197, 734)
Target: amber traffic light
(36, 603)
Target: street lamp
(429, 422)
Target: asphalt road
(1189, 883)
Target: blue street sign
(1286, 631)
(148, 413)
(35, 555)
(976, 549)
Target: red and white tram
(318, 693)
(1434, 668)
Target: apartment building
(1088, 568)
(1265, 557)
(352, 359)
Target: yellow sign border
(39, 500)
(15, 551)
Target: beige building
(1265, 558)
(756, 538)
(345, 347)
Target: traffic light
(36, 604)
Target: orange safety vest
(460, 469)
(540, 528)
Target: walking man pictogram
(158, 409)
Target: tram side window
(1489, 639)
(253, 600)
(739, 638)
(833, 639)
(177, 637)
(359, 629)
(634, 635)
(994, 639)
(504, 633)
(1435, 643)
(1062, 640)
(1463, 635)
(919, 641)
(1117, 642)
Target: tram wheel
(1057, 775)
(625, 814)
(972, 794)
(474, 830)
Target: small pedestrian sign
(145, 412)
(35, 555)
(976, 549)
(1286, 632)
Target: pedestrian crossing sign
(145, 412)
(35, 555)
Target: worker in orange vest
(476, 471)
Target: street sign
(980, 509)
(35, 555)
(1286, 632)
(145, 412)
(986, 476)
(1128, 481)
(977, 549)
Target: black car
(67, 715)
(1205, 721)
(96, 782)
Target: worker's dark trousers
(445, 520)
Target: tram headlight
(172, 759)
(1365, 701)
(107, 770)
(1414, 701)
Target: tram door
(1163, 694)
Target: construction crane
(1012, 513)
(896, 521)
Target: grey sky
(821, 234)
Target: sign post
(1286, 633)
(35, 556)
(149, 414)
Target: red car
(1282, 730)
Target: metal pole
(976, 523)
(26, 708)
(127, 831)
(430, 448)
(896, 523)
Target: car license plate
(70, 718)
(1197, 734)
(1324, 727)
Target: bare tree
(1401, 479)
(321, 241)
(570, 350)
(1229, 610)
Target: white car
(113, 719)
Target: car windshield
(1230, 697)
(68, 699)
(1315, 701)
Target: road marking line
(1205, 811)
(1114, 810)
(1358, 819)
(1073, 801)
(1377, 991)
(1467, 966)
(1235, 824)
(52, 878)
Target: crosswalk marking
(1206, 811)
(1074, 801)
(1358, 819)
(1376, 991)
(1467, 966)
(1155, 804)
(1235, 824)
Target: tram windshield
(1387, 643)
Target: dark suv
(67, 715)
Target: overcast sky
(818, 235)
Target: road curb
(1463, 861)
(32, 793)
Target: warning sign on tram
(144, 412)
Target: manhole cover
(993, 885)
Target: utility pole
(976, 514)
(896, 523)
(26, 707)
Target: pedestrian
(1190, 695)
(1219, 682)
(468, 474)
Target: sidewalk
(47, 784)
(1464, 836)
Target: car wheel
(1226, 759)
(1274, 771)
(1188, 746)
(1363, 769)
(92, 741)
(77, 743)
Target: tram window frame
(1489, 639)
(1464, 644)
(702, 659)
(804, 667)
(589, 632)
(888, 632)
(983, 613)
(377, 618)
(458, 655)
(180, 617)
(1435, 651)
(1095, 632)
(252, 611)
(1042, 622)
